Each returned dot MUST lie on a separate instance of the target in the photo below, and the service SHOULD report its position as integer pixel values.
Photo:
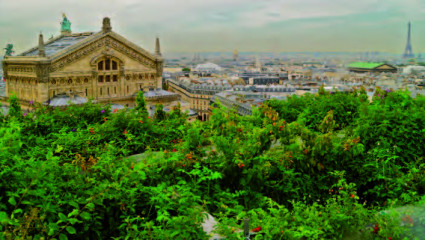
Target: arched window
(107, 70)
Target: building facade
(197, 96)
(103, 66)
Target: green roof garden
(365, 65)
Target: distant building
(243, 99)
(207, 68)
(259, 78)
(235, 55)
(371, 67)
(198, 92)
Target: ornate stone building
(103, 66)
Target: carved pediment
(109, 44)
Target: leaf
(85, 216)
(12, 201)
(59, 148)
(3, 218)
(90, 206)
(53, 227)
(71, 230)
(73, 220)
(74, 204)
(73, 213)
(17, 211)
(62, 217)
(63, 237)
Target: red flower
(257, 229)
(241, 165)
(174, 149)
(376, 228)
(91, 130)
(115, 110)
(104, 119)
(125, 131)
(140, 121)
(390, 238)
(274, 124)
(281, 128)
(199, 146)
(183, 165)
(352, 195)
(149, 117)
(131, 167)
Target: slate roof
(58, 44)
(365, 65)
(61, 100)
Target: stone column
(94, 83)
(42, 71)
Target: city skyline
(220, 26)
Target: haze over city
(207, 26)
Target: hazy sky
(225, 25)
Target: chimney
(157, 48)
(41, 52)
(106, 25)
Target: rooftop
(366, 65)
(62, 100)
(58, 44)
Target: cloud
(208, 24)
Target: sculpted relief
(107, 42)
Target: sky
(225, 25)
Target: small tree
(159, 112)
(140, 103)
(186, 69)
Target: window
(100, 66)
(86, 92)
(107, 64)
(106, 67)
(108, 91)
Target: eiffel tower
(408, 53)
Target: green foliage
(313, 167)
(140, 103)
(185, 69)
(160, 114)
(15, 107)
